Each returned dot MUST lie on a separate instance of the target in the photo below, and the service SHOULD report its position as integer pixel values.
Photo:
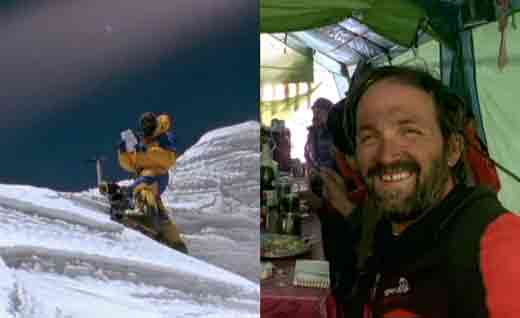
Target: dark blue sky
(53, 118)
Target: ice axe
(98, 159)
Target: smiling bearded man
(401, 150)
(440, 248)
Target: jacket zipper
(369, 308)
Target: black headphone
(148, 123)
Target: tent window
(279, 92)
(304, 88)
(292, 89)
(272, 92)
(268, 93)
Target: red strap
(484, 170)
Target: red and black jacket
(460, 260)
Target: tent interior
(311, 49)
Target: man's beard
(426, 195)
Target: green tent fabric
(499, 93)
(397, 20)
(425, 56)
(297, 15)
(280, 64)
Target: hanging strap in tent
(503, 20)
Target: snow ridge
(214, 193)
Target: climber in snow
(150, 155)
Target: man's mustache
(379, 169)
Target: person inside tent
(280, 143)
(318, 147)
(333, 210)
(318, 151)
(150, 156)
(344, 156)
(319, 139)
(340, 212)
(441, 248)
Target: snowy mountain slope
(50, 267)
(215, 196)
(20, 197)
(61, 256)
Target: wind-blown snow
(61, 255)
(215, 196)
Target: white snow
(62, 257)
(215, 197)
